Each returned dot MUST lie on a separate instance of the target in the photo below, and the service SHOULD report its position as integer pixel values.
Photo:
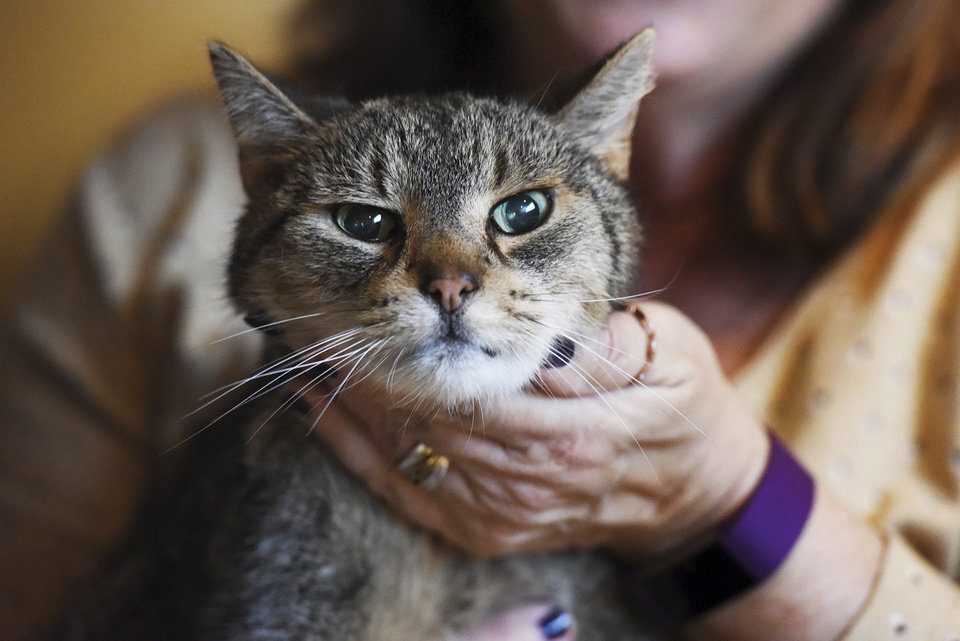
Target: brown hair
(861, 124)
(369, 48)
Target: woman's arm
(818, 591)
(650, 471)
(107, 347)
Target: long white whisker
(270, 325)
(636, 381)
(281, 377)
(378, 346)
(610, 299)
(272, 385)
(279, 373)
(598, 390)
(614, 299)
(571, 334)
(419, 397)
(343, 382)
(393, 369)
(300, 355)
(293, 397)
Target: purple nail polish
(260, 320)
(297, 403)
(555, 623)
(322, 371)
(561, 353)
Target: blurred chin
(685, 34)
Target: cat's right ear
(602, 115)
(264, 119)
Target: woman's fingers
(650, 343)
(361, 448)
(490, 501)
(526, 623)
(615, 357)
(573, 466)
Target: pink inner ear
(602, 115)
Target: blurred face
(713, 43)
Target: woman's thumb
(618, 355)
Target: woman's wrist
(817, 591)
(748, 548)
(729, 468)
(809, 585)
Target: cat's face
(441, 246)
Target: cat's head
(443, 246)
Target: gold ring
(423, 467)
(648, 329)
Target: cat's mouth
(453, 369)
(455, 338)
(456, 343)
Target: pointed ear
(602, 115)
(264, 119)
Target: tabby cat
(443, 249)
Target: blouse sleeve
(110, 343)
(862, 379)
(912, 601)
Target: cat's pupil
(522, 212)
(364, 222)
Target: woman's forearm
(816, 593)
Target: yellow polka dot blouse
(861, 379)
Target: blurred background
(75, 74)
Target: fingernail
(260, 320)
(561, 353)
(297, 403)
(555, 623)
(324, 371)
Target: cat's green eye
(522, 212)
(365, 222)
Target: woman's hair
(369, 48)
(864, 120)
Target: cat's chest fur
(258, 533)
(292, 547)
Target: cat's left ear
(602, 115)
(264, 119)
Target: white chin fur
(462, 375)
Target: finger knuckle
(489, 537)
(561, 452)
(528, 497)
(578, 451)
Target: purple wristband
(748, 549)
(762, 532)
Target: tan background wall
(74, 73)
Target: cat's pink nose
(449, 291)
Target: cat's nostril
(449, 291)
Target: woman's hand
(525, 623)
(593, 458)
